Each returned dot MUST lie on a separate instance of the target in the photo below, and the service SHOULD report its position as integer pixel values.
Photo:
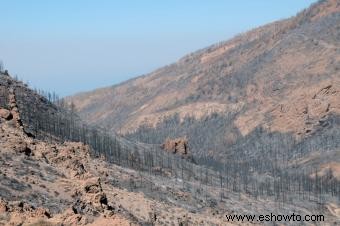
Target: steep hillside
(53, 183)
(47, 180)
(283, 77)
(247, 126)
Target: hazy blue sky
(69, 46)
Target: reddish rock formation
(5, 114)
(23, 210)
(92, 200)
(177, 146)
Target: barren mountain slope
(54, 183)
(47, 181)
(283, 76)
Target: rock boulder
(5, 114)
(177, 146)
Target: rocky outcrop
(9, 105)
(28, 165)
(177, 146)
(92, 200)
(15, 142)
(25, 208)
(20, 212)
(65, 160)
(5, 114)
(14, 108)
(73, 156)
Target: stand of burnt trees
(4, 101)
(261, 163)
(3, 97)
(265, 173)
